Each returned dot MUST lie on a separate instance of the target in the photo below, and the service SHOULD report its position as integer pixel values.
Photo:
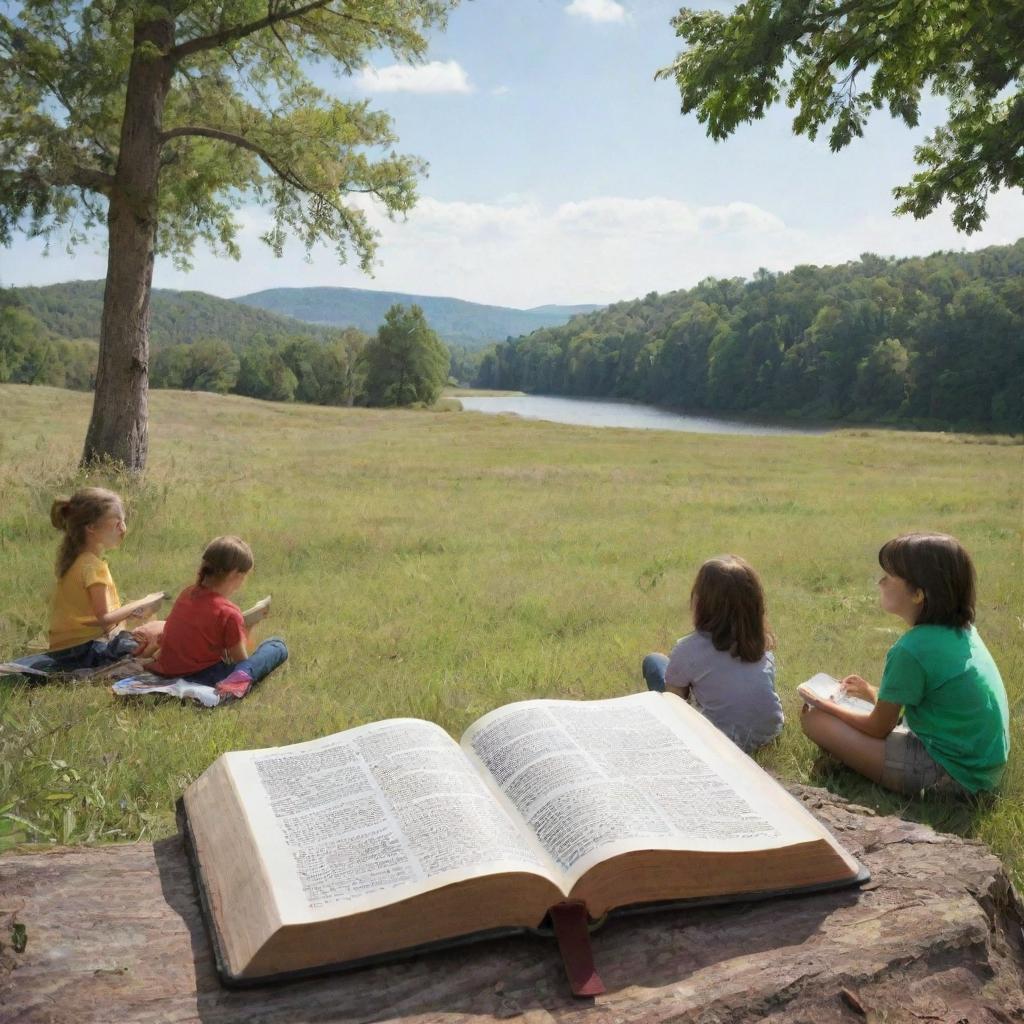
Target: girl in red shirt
(204, 639)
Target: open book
(143, 606)
(257, 613)
(823, 687)
(392, 835)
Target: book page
(374, 815)
(257, 613)
(597, 778)
(823, 687)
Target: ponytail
(222, 556)
(59, 513)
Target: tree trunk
(118, 429)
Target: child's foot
(236, 685)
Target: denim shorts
(909, 768)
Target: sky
(561, 172)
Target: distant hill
(564, 310)
(72, 311)
(469, 324)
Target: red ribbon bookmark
(570, 922)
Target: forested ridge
(72, 310)
(471, 325)
(49, 335)
(203, 343)
(935, 341)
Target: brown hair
(224, 555)
(728, 602)
(75, 515)
(938, 566)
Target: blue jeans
(653, 668)
(258, 665)
(91, 654)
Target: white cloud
(436, 76)
(517, 251)
(597, 10)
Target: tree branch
(286, 174)
(75, 176)
(230, 35)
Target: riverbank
(620, 414)
(436, 566)
(726, 423)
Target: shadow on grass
(963, 816)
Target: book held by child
(393, 835)
(823, 687)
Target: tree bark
(118, 429)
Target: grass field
(439, 564)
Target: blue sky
(561, 172)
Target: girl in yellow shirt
(86, 615)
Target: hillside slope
(470, 324)
(72, 310)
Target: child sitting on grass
(86, 614)
(726, 667)
(204, 639)
(956, 736)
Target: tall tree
(156, 117)
(845, 58)
(407, 362)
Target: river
(591, 413)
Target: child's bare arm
(107, 617)
(877, 723)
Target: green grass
(441, 564)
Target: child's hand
(855, 686)
(148, 636)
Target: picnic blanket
(146, 683)
(114, 670)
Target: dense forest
(935, 341)
(199, 343)
(49, 335)
(202, 343)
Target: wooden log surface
(114, 935)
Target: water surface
(592, 413)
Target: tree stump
(114, 936)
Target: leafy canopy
(243, 118)
(835, 61)
(406, 362)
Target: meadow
(437, 564)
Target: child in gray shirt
(725, 668)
